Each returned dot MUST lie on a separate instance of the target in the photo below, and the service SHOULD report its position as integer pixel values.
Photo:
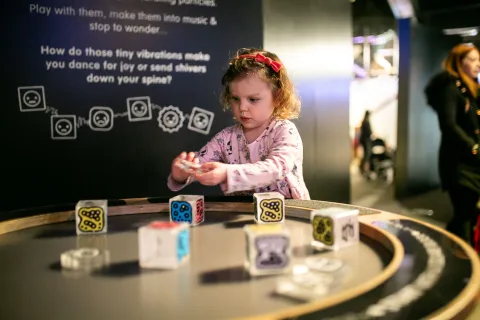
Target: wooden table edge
(387, 240)
(459, 307)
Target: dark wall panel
(422, 50)
(131, 156)
(314, 39)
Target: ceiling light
(464, 32)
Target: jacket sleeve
(211, 152)
(447, 116)
(280, 161)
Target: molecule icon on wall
(139, 109)
(170, 119)
(31, 98)
(102, 118)
(201, 120)
(63, 127)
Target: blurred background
(398, 46)
(346, 57)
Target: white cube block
(334, 228)
(187, 208)
(163, 245)
(269, 207)
(268, 249)
(91, 216)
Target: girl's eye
(251, 100)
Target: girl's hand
(212, 173)
(178, 173)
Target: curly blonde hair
(287, 103)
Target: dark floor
(433, 207)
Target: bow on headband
(275, 65)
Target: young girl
(264, 151)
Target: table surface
(213, 285)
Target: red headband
(275, 65)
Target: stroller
(381, 160)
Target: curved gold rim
(390, 242)
(469, 294)
(137, 206)
(457, 306)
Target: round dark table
(402, 268)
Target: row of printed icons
(64, 127)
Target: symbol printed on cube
(181, 211)
(199, 216)
(187, 208)
(334, 228)
(269, 207)
(272, 251)
(323, 230)
(164, 245)
(91, 216)
(183, 247)
(348, 231)
(268, 249)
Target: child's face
(252, 101)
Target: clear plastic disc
(84, 259)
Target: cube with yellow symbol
(334, 228)
(269, 207)
(91, 216)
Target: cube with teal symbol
(164, 244)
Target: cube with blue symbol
(164, 244)
(187, 208)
